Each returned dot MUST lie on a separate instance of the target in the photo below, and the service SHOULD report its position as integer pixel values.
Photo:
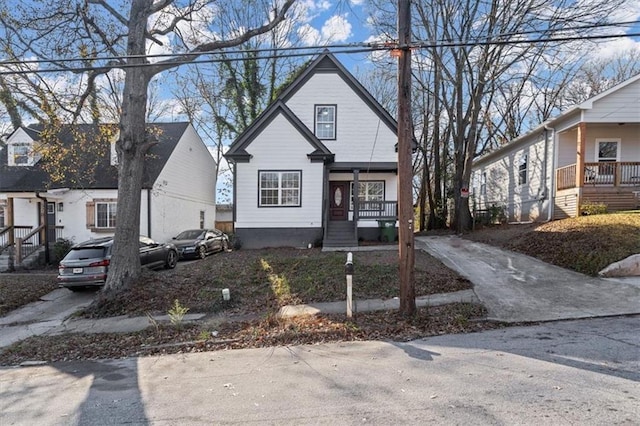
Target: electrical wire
(372, 48)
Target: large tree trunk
(131, 147)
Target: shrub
(60, 249)
(590, 209)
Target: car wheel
(202, 252)
(172, 260)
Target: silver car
(87, 264)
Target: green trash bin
(388, 231)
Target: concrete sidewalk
(519, 288)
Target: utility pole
(405, 165)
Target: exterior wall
(255, 238)
(74, 214)
(279, 147)
(25, 212)
(620, 106)
(184, 188)
(526, 202)
(360, 135)
(566, 204)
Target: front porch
(345, 233)
(615, 184)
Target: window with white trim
(326, 121)
(522, 170)
(483, 183)
(20, 154)
(368, 191)
(607, 151)
(106, 215)
(279, 188)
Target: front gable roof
(35, 178)
(237, 152)
(325, 63)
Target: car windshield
(189, 235)
(82, 253)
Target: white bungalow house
(588, 154)
(178, 187)
(318, 165)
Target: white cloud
(336, 29)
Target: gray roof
(36, 178)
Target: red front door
(338, 200)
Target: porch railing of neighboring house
(6, 239)
(378, 209)
(28, 244)
(602, 173)
(566, 177)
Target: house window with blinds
(279, 188)
(101, 214)
(325, 121)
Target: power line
(315, 50)
(447, 42)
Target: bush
(60, 249)
(590, 209)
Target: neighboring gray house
(319, 164)
(588, 154)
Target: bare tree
(125, 35)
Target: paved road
(519, 288)
(576, 372)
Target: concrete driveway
(519, 288)
(40, 317)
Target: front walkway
(519, 288)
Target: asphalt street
(582, 372)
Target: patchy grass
(17, 290)
(261, 281)
(585, 244)
(268, 331)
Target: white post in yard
(348, 269)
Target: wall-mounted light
(60, 207)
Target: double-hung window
(20, 154)
(279, 188)
(483, 183)
(326, 121)
(368, 191)
(105, 215)
(522, 170)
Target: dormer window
(326, 121)
(21, 154)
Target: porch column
(356, 198)
(8, 216)
(580, 153)
(581, 147)
(42, 220)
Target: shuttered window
(101, 214)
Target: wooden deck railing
(603, 173)
(566, 177)
(9, 234)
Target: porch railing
(28, 244)
(566, 177)
(378, 209)
(10, 234)
(602, 173)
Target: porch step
(340, 234)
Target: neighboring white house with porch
(318, 165)
(178, 188)
(588, 154)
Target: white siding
(620, 106)
(25, 212)
(74, 215)
(360, 134)
(629, 135)
(279, 147)
(185, 186)
(522, 202)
